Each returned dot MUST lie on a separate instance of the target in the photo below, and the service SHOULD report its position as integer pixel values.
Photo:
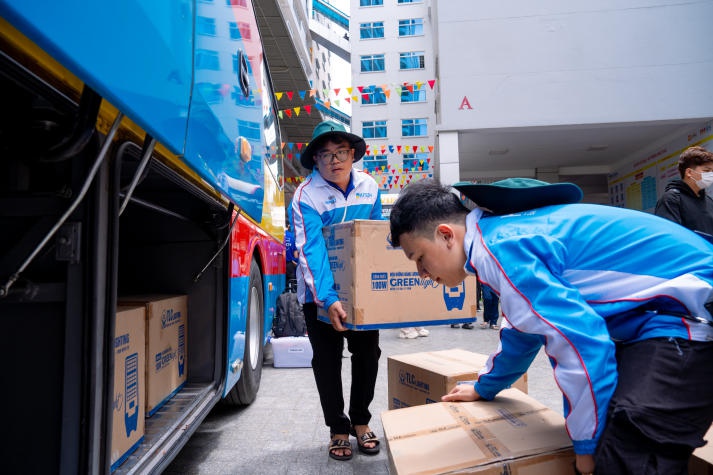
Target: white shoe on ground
(422, 331)
(409, 333)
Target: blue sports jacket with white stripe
(577, 278)
(318, 203)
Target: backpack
(289, 319)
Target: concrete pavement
(283, 431)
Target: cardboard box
(291, 352)
(701, 462)
(380, 288)
(129, 382)
(166, 321)
(422, 378)
(511, 434)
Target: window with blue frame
(205, 26)
(414, 127)
(210, 92)
(373, 129)
(409, 1)
(371, 3)
(373, 163)
(417, 93)
(249, 130)
(374, 29)
(372, 62)
(239, 30)
(411, 27)
(373, 95)
(415, 162)
(412, 60)
(236, 66)
(239, 99)
(207, 59)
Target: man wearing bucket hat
(621, 300)
(335, 192)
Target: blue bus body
(187, 86)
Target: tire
(245, 391)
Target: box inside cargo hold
(291, 352)
(129, 381)
(422, 378)
(512, 434)
(380, 288)
(166, 317)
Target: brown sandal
(366, 438)
(340, 444)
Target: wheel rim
(254, 325)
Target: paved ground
(283, 431)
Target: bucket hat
(519, 194)
(330, 129)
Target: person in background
(335, 192)
(491, 308)
(290, 255)
(685, 201)
(621, 300)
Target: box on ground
(511, 434)
(422, 378)
(129, 380)
(701, 462)
(380, 288)
(166, 318)
(291, 352)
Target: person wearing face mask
(685, 201)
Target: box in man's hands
(380, 288)
(422, 378)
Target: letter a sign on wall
(465, 104)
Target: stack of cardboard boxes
(149, 364)
(511, 434)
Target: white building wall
(521, 63)
(391, 46)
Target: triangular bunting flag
(289, 94)
(431, 83)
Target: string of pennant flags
(347, 94)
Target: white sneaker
(422, 331)
(409, 333)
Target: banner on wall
(640, 184)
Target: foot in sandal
(367, 442)
(339, 447)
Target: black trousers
(327, 348)
(661, 408)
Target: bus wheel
(245, 390)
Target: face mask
(705, 181)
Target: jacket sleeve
(313, 258)
(541, 306)
(669, 206)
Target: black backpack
(289, 319)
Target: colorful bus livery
(138, 157)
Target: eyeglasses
(327, 157)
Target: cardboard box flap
(447, 362)
(452, 437)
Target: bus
(139, 156)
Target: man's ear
(445, 231)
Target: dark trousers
(661, 408)
(491, 311)
(327, 348)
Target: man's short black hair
(421, 206)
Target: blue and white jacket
(318, 203)
(576, 279)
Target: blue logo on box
(379, 281)
(454, 297)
